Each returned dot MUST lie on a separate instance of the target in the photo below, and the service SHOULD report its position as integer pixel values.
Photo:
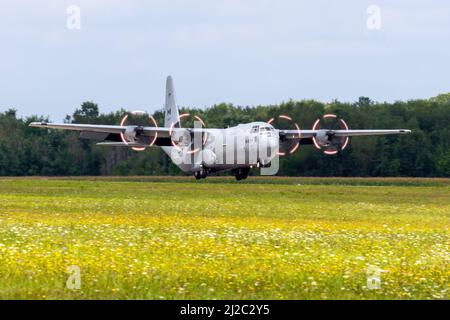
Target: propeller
(184, 138)
(291, 146)
(134, 133)
(325, 138)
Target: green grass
(266, 238)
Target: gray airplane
(201, 151)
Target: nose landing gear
(241, 173)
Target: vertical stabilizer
(171, 118)
(170, 108)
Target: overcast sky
(246, 52)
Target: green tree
(444, 165)
(87, 113)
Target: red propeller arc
(332, 149)
(124, 121)
(196, 118)
(285, 118)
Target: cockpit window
(254, 129)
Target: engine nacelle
(130, 134)
(326, 138)
(181, 138)
(322, 138)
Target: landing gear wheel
(202, 174)
(241, 173)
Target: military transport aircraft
(201, 151)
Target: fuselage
(243, 146)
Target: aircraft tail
(171, 115)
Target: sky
(245, 52)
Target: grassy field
(267, 238)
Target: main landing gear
(241, 173)
(200, 174)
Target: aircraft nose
(269, 145)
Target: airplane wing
(149, 131)
(98, 128)
(304, 134)
(111, 134)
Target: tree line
(26, 151)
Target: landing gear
(202, 174)
(241, 173)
